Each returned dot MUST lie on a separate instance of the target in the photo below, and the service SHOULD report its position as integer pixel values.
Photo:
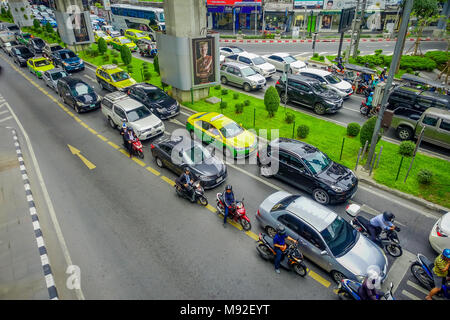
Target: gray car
(324, 237)
(52, 76)
(241, 75)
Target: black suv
(78, 94)
(417, 100)
(156, 100)
(21, 54)
(306, 167)
(309, 93)
(36, 45)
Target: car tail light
(258, 213)
(278, 82)
(152, 146)
(440, 233)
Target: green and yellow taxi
(135, 35)
(38, 66)
(118, 42)
(101, 34)
(213, 127)
(110, 77)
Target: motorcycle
(388, 239)
(198, 191)
(348, 290)
(136, 148)
(368, 111)
(292, 257)
(237, 212)
(422, 270)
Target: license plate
(219, 179)
(172, 112)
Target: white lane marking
(7, 118)
(4, 111)
(399, 268)
(177, 122)
(417, 287)
(410, 295)
(89, 77)
(256, 177)
(304, 53)
(46, 195)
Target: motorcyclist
(339, 64)
(367, 290)
(279, 244)
(230, 202)
(129, 137)
(440, 272)
(187, 180)
(375, 82)
(380, 222)
(383, 75)
(369, 102)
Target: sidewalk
(21, 274)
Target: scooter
(137, 148)
(388, 240)
(422, 270)
(199, 192)
(366, 110)
(348, 290)
(292, 257)
(238, 212)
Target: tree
(156, 64)
(271, 100)
(36, 24)
(125, 54)
(3, 11)
(49, 28)
(366, 132)
(426, 12)
(102, 47)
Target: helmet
(186, 169)
(446, 253)
(124, 126)
(281, 230)
(388, 216)
(385, 68)
(229, 187)
(371, 93)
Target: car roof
(110, 68)
(53, 44)
(280, 54)
(236, 65)
(135, 30)
(215, 118)
(294, 146)
(173, 141)
(437, 96)
(409, 89)
(55, 70)
(302, 78)
(38, 59)
(145, 86)
(72, 80)
(319, 72)
(248, 55)
(128, 104)
(441, 113)
(315, 214)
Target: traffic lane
(91, 215)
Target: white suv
(256, 62)
(118, 108)
(342, 87)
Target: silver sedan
(52, 76)
(324, 237)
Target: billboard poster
(343, 4)
(229, 2)
(79, 27)
(203, 57)
(326, 21)
(308, 3)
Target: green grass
(328, 137)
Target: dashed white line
(410, 295)
(417, 287)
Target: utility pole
(304, 24)
(395, 61)
(352, 40)
(358, 29)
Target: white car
(440, 234)
(256, 62)
(229, 50)
(330, 80)
(282, 58)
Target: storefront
(220, 14)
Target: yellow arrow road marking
(77, 152)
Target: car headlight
(65, 63)
(160, 110)
(79, 103)
(81, 61)
(336, 188)
(330, 102)
(203, 177)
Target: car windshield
(56, 48)
(316, 161)
(81, 89)
(12, 28)
(23, 50)
(138, 114)
(124, 40)
(140, 35)
(247, 72)
(161, 17)
(155, 94)
(340, 236)
(258, 61)
(332, 79)
(196, 154)
(289, 59)
(58, 75)
(67, 55)
(319, 88)
(120, 76)
(231, 130)
(41, 63)
(237, 50)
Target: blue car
(67, 60)
(51, 21)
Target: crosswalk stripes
(410, 295)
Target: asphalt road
(133, 238)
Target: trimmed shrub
(271, 101)
(156, 64)
(290, 117)
(247, 103)
(239, 107)
(406, 148)
(224, 92)
(302, 131)
(115, 61)
(425, 176)
(223, 105)
(105, 58)
(321, 58)
(102, 47)
(147, 76)
(378, 51)
(235, 96)
(125, 55)
(316, 55)
(367, 131)
(218, 87)
(49, 28)
(353, 129)
(3, 11)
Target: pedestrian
(440, 272)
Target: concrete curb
(271, 41)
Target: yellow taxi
(110, 77)
(213, 127)
(135, 35)
(118, 42)
(38, 66)
(101, 34)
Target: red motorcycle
(236, 212)
(136, 148)
(368, 111)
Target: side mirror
(323, 253)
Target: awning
(419, 80)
